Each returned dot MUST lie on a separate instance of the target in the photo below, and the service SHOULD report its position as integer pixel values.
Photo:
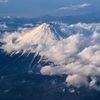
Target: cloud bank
(75, 7)
(74, 49)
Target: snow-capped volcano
(36, 38)
(43, 33)
(73, 49)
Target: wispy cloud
(75, 7)
(4, 1)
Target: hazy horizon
(36, 8)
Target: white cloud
(77, 55)
(3, 1)
(75, 7)
(76, 80)
(3, 26)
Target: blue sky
(34, 8)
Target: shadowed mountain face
(17, 83)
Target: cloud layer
(77, 55)
(75, 7)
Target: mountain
(36, 38)
(56, 57)
(70, 19)
(45, 32)
(50, 59)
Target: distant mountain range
(86, 18)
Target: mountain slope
(42, 33)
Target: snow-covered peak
(44, 26)
(37, 39)
(42, 34)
